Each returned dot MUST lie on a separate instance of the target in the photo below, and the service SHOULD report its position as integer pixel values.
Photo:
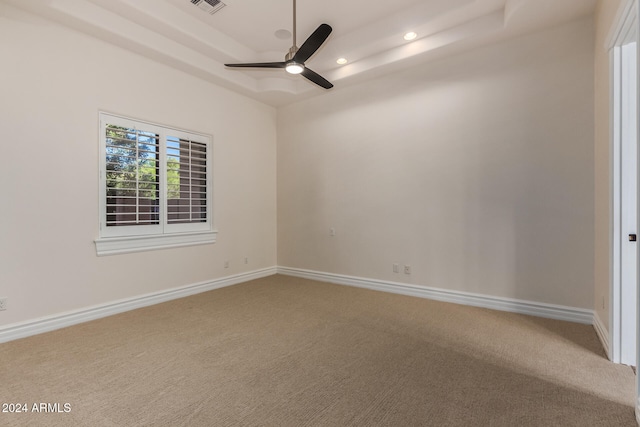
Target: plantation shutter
(132, 176)
(187, 181)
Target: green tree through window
(132, 175)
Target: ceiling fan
(294, 60)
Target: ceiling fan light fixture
(410, 35)
(294, 68)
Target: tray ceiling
(369, 34)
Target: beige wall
(476, 170)
(53, 81)
(604, 17)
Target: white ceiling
(368, 33)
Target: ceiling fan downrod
(292, 66)
(295, 45)
(293, 49)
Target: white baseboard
(57, 321)
(603, 333)
(62, 320)
(571, 314)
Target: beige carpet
(283, 351)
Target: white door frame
(624, 306)
(637, 94)
(628, 14)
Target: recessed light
(410, 35)
(342, 61)
(283, 34)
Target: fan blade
(259, 65)
(313, 43)
(317, 78)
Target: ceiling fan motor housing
(292, 52)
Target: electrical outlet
(332, 232)
(396, 268)
(246, 260)
(3, 304)
(226, 264)
(407, 269)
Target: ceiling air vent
(209, 6)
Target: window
(155, 187)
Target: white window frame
(136, 238)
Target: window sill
(129, 244)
